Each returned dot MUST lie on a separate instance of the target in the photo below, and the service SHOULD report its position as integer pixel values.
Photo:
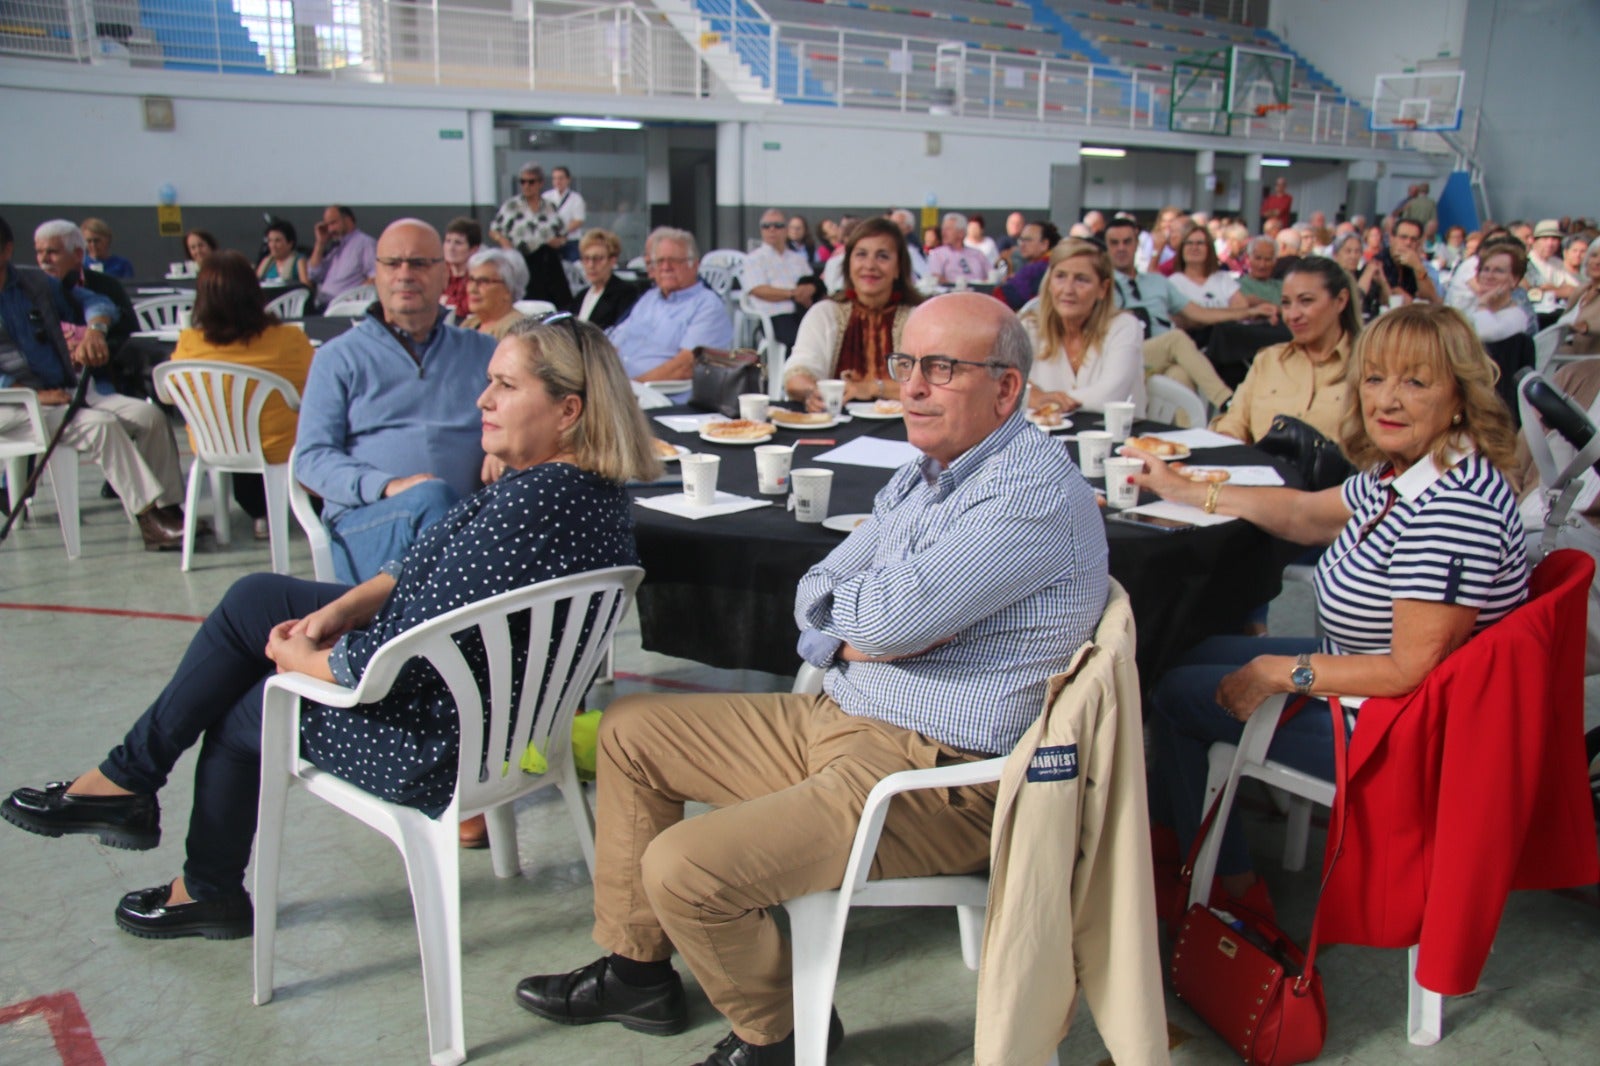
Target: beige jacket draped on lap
(1071, 890)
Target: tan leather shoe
(475, 833)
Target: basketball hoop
(1407, 124)
(1263, 110)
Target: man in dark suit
(608, 299)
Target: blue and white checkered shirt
(993, 569)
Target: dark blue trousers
(214, 698)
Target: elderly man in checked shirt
(937, 622)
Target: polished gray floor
(348, 983)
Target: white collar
(1423, 473)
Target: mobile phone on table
(1150, 521)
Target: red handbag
(1242, 974)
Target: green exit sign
(770, 146)
(452, 135)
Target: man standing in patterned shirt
(937, 622)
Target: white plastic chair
(1166, 398)
(577, 280)
(1228, 763)
(486, 781)
(222, 404)
(1545, 343)
(63, 468)
(352, 304)
(534, 308)
(163, 312)
(752, 328)
(719, 269)
(817, 921)
(311, 523)
(291, 304)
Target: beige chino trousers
(130, 439)
(1174, 355)
(788, 775)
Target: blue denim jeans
(364, 538)
(1185, 720)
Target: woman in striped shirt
(1425, 549)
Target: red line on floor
(69, 1027)
(159, 616)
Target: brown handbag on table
(720, 376)
(1246, 978)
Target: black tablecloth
(1233, 346)
(721, 590)
(140, 355)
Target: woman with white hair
(495, 279)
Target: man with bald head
(929, 658)
(389, 431)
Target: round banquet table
(142, 354)
(720, 590)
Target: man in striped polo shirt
(937, 623)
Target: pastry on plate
(739, 429)
(785, 417)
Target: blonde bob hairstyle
(611, 437)
(1051, 331)
(1440, 341)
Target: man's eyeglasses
(936, 369)
(475, 281)
(530, 181)
(774, 225)
(663, 261)
(415, 263)
(595, 259)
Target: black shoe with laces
(732, 1050)
(596, 994)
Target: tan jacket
(1282, 381)
(1071, 890)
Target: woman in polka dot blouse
(563, 432)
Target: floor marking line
(69, 1026)
(113, 612)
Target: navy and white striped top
(994, 569)
(1451, 537)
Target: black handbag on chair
(1318, 460)
(721, 376)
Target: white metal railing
(620, 49)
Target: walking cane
(77, 404)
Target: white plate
(844, 523)
(836, 420)
(670, 386)
(863, 409)
(1064, 424)
(736, 443)
(181, 277)
(679, 454)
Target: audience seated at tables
(608, 298)
(198, 244)
(1202, 281)
(770, 275)
(1086, 353)
(953, 263)
(1427, 551)
(462, 239)
(530, 225)
(1259, 281)
(658, 338)
(852, 334)
(494, 277)
(97, 239)
(343, 256)
(1031, 256)
(283, 264)
(1582, 318)
(1307, 378)
(129, 439)
(230, 325)
(388, 433)
(929, 659)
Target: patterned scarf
(868, 340)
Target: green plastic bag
(585, 745)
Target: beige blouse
(1282, 381)
(499, 330)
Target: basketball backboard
(1414, 100)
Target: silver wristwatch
(1302, 676)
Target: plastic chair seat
(163, 312)
(62, 469)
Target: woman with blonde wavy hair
(1426, 550)
(1086, 352)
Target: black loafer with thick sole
(146, 913)
(595, 994)
(132, 822)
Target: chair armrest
(311, 688)
(29, 401)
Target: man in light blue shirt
(938, 623)
(390, 430)
(658, 338)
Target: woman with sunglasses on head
(495, 280)
(1425, 549)
(559, 413)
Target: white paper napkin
(1181, 512)
(688, 423)
(871, 451)
(677, 503)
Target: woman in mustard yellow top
(231, 326)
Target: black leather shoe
(132, 822)
(731, 1050)
(145, 913)
(595, 994)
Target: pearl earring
(1455, 420)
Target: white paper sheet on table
(1244, 475)
(871, 451)
(688, 423)
(677, 503)
(1196, 438)
(648, 398)
(1181, 512)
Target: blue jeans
(364, 538)
(214, 698)
(1185, 720)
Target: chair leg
(1297, 834)
(63, 470)
(503, 853)
(578, 806)
(970, 922)
(221, 501)
(816, 934)
(432, 855)
(276, 741)
(276, 480)
(191, 502)
(1424, 1009)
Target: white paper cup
(812, 487)
(1396, 301)
(772, 468)
(177, 267)
(1119, 419)
(832, 390)
(753, 406)
(1094, 446)
(700, 478)
(1121, 492)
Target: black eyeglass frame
(900, 365)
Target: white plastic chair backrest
(1545, 343)
(560, 664)
(222, 404)
(534, 307)
(37, 439)
(637, 264)
(291, 304)
(720, 269)
(311, 523)
(1167, 397)
(576, 278)
(352, 303)
(161, 312)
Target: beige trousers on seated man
(1174, 355)
(789, 775)
(130, 439)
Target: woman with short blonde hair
(1086, 352)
